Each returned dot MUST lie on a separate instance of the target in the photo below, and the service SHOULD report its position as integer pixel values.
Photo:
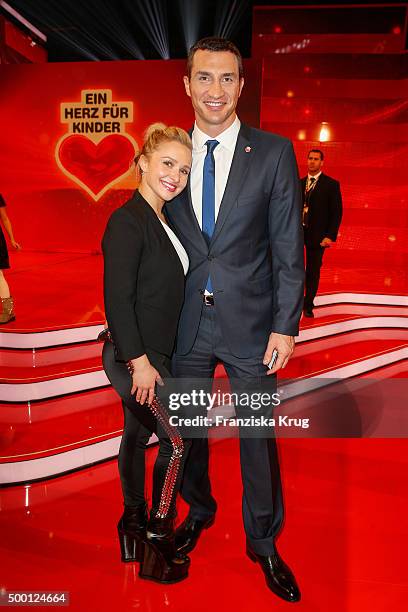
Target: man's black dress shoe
(308, 312)
(189, 531)
(278, 576)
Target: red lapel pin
(247, 149)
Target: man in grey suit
(239, 220)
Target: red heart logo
(96, 166)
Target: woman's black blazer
(143, 281)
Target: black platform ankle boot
(132, 533)
(161, 561)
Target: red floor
(55, 290)
(345, 534)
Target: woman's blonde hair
(155, 135)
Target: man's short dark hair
(214, 44)
(316, 151)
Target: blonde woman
(145, 265)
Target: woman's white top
(178, 246)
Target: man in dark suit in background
(239, 220)
(322, 212)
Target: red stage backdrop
(69, 136)
(334, 77)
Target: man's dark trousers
(314, 260)
(262, 503)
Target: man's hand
(285, 346)
(326, 242)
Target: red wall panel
(48, 210)
(363, 99)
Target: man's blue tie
(209, 196)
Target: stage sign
(96, 152)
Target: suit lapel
(192, 216)
(317, 189)
(189, 205)
(239, 167)
(186, 217)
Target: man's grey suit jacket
(255, 256)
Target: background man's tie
(209, 196)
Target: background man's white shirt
(310, 176)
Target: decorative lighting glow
(324, 135)
(301, 135)
(296, 46)
(290, 93)
(228, 16)
(84, 42)
(191, 14)
(152, 14)
(392, 238)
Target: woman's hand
(15, 245)
(144, 378)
